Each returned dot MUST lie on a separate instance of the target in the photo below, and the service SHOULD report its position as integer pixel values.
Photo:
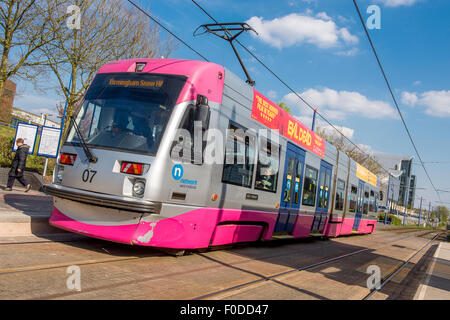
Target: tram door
(292, 186)
(323, 196)
(359, 205)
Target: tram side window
(187, 139)
(268, 165)
(372, 201)
(187, 123)
(375, 202)
(239, 157)
(340, 193)
(310, 187)
(366, 203)
(353, 195)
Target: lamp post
(406, 193)
(387, 200)
(313, 126)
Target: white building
(19, 115)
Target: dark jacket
(19, 162)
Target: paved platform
(23, 214)
(436, 285)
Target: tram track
(110, 260)
(207, 268)
(311, 266)
(398, 269)
(76, 239)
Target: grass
(34, 163)
(396, 221)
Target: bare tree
(24, 29)
(109, 30)
(353, 152)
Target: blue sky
(319, 48)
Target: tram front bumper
(101, 199)
(121, 233)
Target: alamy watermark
(237, 146)
(74, 20)
(374, 20)
(374, 281)
(73, 282)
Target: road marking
(424, 286)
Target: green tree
(442, 214)
(283, 106)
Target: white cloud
(307, 121)
(36, 104)
(348, 132)
(348, 38)
(348, 53)
(398, 3)
(417, 83)
(437, 103)
(296, 29)
(271, 94)
(409, 98)
(337, 105)
(323, 15)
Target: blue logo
(177, 172)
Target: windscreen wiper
(83, 144)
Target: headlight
(139, 188)
(59, 174)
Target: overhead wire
(292, 90)
(170, 32)
(393, 97)
(289, 87)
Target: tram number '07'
(88, 175)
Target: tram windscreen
(127, 111)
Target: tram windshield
(127, 111)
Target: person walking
(18, 166)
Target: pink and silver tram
(115, 178)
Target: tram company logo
(177, 172)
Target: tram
(116, 177)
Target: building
(7, 101)
(402, 182)
(412, 192)
(18, 116)
(405, 180)
(390, 198)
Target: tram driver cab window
(127, 112)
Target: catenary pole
(386, 211)
(420, 209)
